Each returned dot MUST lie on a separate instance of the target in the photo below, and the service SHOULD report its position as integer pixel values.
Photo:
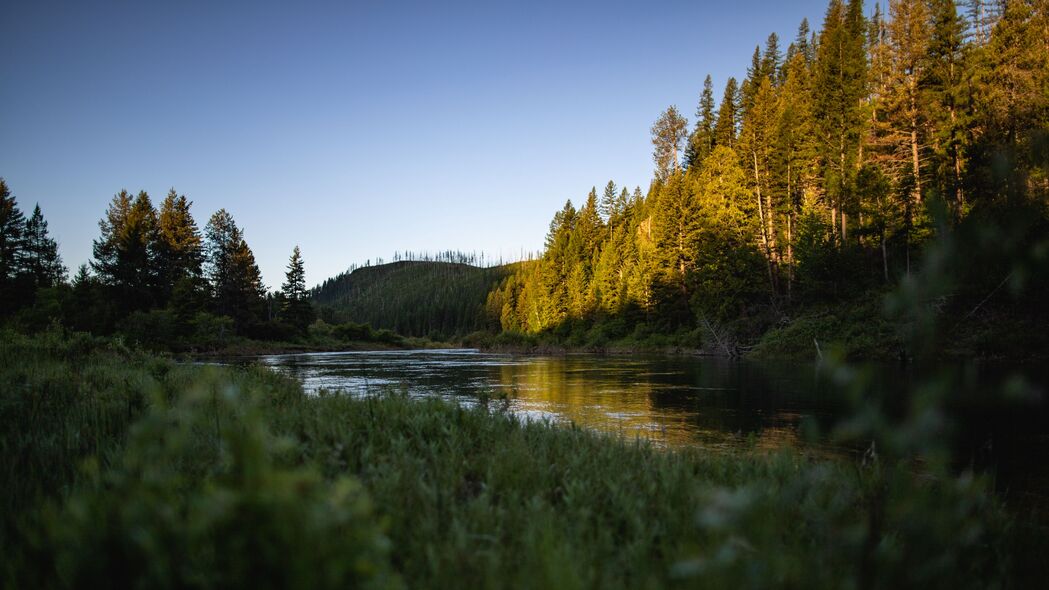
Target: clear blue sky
(354, 129)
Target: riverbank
(119, 465)
(250, 348)
(857, 330)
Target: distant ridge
(414, 298)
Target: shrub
(155, 329)
(199, 499)
(211, 331)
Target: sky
(354, 129)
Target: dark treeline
(29, 257)
(155, 277)
(819, 178)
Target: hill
(414, 298)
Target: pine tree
(12, 226)
(608, 203)
(669, 130)
(675, 229)
(296, 309)
(728, 116)
(757, 142)
(771, 60)
(123, 253)
(750, 83)
(234, 277)
(983, 15)
(41, 260)
(840, 86)
(795, 150)
(702, 139)
(726, 259)
(179, 250)
(946, 95)
(801, 45)
(1012, 104)
(909, 37)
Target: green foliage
(236, 282)
(411, 298)
(858, 329)
(40, 259)
(198, 499)
(178, 250)
(12, 226)
(295, 306)
(123, 251)
(818, 183)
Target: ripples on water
(670, 401)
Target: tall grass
(130, 470)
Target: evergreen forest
(156, 278)
(815, 185)
(779, 217)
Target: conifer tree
(12, 226)
(909, 37)
(840, 86)
(728, 116)
(795, 150)
(41, 261)
(702, 139)
(983, 15)
(675, 226)
(1012, 103)
(771, 59)
(234, 277)
(726, 259)
(801, 45)
(669, 130)
(179, 248)
(607, 206)
(750, 83)
(123, 253)
(295, 305)
(757, 142)
(946, 95)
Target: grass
(120, 468)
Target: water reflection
(670, 401)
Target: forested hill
(415, 298)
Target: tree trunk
(790, 253)
(914, 141)
(884, 257)
(761, 218)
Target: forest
(816, 184)
(440, 298)
(155, 278)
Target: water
(713, 403)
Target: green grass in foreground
(125, 470)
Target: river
(714, 403)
